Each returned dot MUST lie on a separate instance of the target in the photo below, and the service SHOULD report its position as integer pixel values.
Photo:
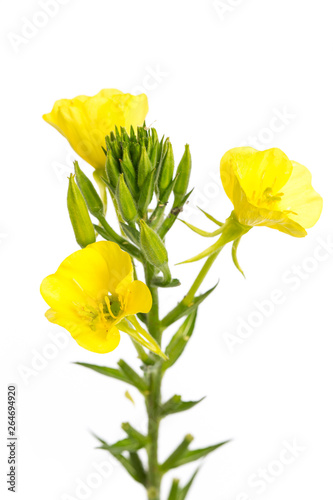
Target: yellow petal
(138, 298)
(299, 197)
(85, 121)
(100, 340)
(61, 293)
(230, 161)
(118, 262)
(88, 269)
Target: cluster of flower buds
(139, 172)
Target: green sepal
(125, 201)
(183, 175)
(146, 193)
(180, 339)
(201, 232)
(160, 282)
(234, 255)
(131, 375)
(184, 310)
(166, 169)
(231, 231)
(192, 455)
(176, 405)
(79, 215)
(93, 201)
(132, 233)
(177, 455)
(210, 217)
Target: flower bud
(125, 201)
(93, 201)
(153, 247)
(144, 165)
(146, 193)
(183, 176)
(78, 213)
(112, 169)
(166, 170)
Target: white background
(224, 73)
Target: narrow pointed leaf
(109, 372)
(185, 490)
(176, 405)
(136, 462)
(127, 444)
(131, 375)
(184, 310)
(193, 455)
(180, 339)
(131, 469)
(174, 491)
(178, 454)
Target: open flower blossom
(86, 121)
(93, 295)
(268, 189)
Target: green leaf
(130, 467)
(134, 434)
(174, 491)
(176, 405)
(179, 341)
(105, 370)
(127, 444)
(193, 455)
(177, 455)
(136, 462)
(131, 375)
(184, 310)
(185, 490)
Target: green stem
(199, 279)
(153, 398)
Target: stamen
(108, 305)
(102, 313)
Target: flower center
(106, 311)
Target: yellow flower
(85, 121)
(92, 293)
(268, 189)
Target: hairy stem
(153, 398)
(199, 279)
